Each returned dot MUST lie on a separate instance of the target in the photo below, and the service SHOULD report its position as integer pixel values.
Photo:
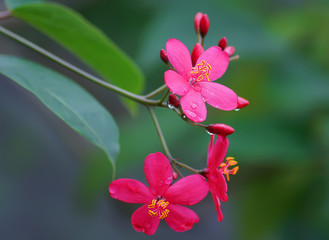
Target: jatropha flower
(162, 200)
(195, 83)
(216, 170)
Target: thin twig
(120, 91)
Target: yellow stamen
(202, 70)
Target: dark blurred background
(54, 184)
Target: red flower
(217, 169)
(162, 200)
(195, 84)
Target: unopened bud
(174, 175)
(230, 50)
(242, 102)
(197, 19)
(164, 56)
(220, 129)
(222, 43)
(197, 51)
(204, 25)
(173, 101)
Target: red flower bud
(174, 175)
(242, 102)
(220, 129)
(222, 43)
(197, 51)
(197, 19)
(163, 56)
(204, 25)
(173, 101)
(230, 50)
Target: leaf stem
(156, 91)
(186, 167)
(137, 98)
(164, 96)
(160, 134)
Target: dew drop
(170, 106)
(237, 109)
(184, 116)
(160, 183)
(113, 190)
(209, 133)
(168, 180)
(194, 106)
(204, 99)
(192, 114)
(133, 186)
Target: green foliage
(86, 41)
(75, 106)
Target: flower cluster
(191, 77)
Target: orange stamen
(224, 167)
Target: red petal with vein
(142, 221)
(179, 57)
(217, 206)
(188, 190)
(218, 152)
(158, 172)
(181, 218)
(130, 191)
(217, 184)
(217, 59)
(219, 96)
(176, 83)
(193, 106)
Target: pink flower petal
(219, 96)
(179, 57)
(193, 106)
(142, 221)
(158, 172)
(217, 206)
(130, 191)
(218, 152)
(217, 59)
(218, 185)
(188, 190)
(176, 83)
(180, 218)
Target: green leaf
(87, 42)
(11, 4)
(70, 102)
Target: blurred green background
(54, 184)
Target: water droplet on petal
(160, 183)
(192, 114)
(133, 186)
(168, 180)
(113, 190)
(194, 106)
(204, 99)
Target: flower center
(201, 71)
(224, 167)
(158, 208)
